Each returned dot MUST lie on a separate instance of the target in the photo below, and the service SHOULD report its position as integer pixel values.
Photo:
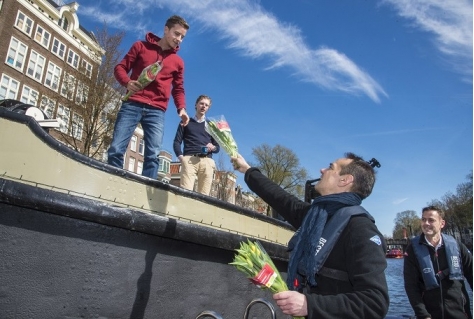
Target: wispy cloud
(257, 34)
(449, 21)
(399, 201)
(113, 18)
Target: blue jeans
(153, 122)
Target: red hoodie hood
(154, 39)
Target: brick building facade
(48, 57)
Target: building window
(42, 36)
(58, 48)
(164, 166)
(24, 23)
(73, 59)
(16, 54)
(77, 126)
(48, 105)
(86, 68)
(36, 66)
(94, 142)
(103, 118)
(82, 92)
(133, 143)
(131, 164)
(141, 147)
(29, 96)
(8, 87)
(139, 167)
(63, 23)
(67, 86)
(63, 118)
(53, 75)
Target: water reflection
(399, 304)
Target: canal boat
(394, 253)
(82, 239)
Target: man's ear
(345, 180)
(443, 223)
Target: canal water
(399, 304)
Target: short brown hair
(435, 208)
(202, 96)
(363, 172)
(173, 20)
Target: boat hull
(394, 253)
(81, 239)
(58, 266)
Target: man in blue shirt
(196, 156)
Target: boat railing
(260, 300)
(208, 313)
(215, 315)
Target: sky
(390, 79)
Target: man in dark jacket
(196, 155)
(435, 266)
(337, 260)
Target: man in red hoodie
(147, 105)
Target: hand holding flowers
(254, 261)
(147, 76)
(239, 163)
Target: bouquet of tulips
(219, 129)
(147, 76)
(252, 259)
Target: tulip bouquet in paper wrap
(252, 259)
(147, 76)
(219, 129)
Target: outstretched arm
(287, 205)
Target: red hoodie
(169, 80)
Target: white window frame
(77, 126)
(139, 167)
(141, 147)
(131, 164)
(48, 105)
(81, 93)
(24, 23)
(67, 86)
(103, 118)
(36, 66)
(63, 115)
(94, 141)
(86, 68)
(53, 74)
(64, 23)
(15, 56)
(73, 59)
(133, 143)
(58, 48)
(164, 166)
(8, 87)
(29, 96)
(42, 36)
